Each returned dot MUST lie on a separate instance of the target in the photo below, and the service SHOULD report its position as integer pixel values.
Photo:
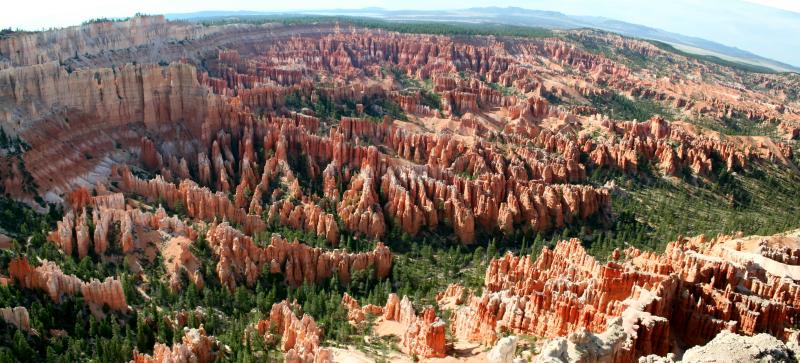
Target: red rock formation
(53, 45)
(454, 294)
(241, 259)
(298, 338)
(178, 257)
(457, 103)
(67, 136)
(78, 198)
(655, 139)
(356, 314)
(305, 216)
(110, 209)
(503, 161)
(48, 277)
(151, 158)
(422, 336)
(17, 316)
(199, 202)
(195, 347)
(693, 290)
(359, 208)
(541, 315)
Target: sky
(768, 28)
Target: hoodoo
(314, 189)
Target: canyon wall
(641, 305)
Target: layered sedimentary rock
(540, 306)
(631, 308)
(240, 259)
(92, 38)
(465, 74)
(361, 211)
(498, 135)
(422, 335)
(298, 338)
(488, 202)
(71, 141)
(49, 278)
(195, 347)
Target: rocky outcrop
(504, 350)
(537, 290)
(298, 338)
(583, 346)
(49, 278)
(18, 317)
(425, 334)
(671, 148)
(73, 237)
(356, 313)
(359, 208)
(422, 336)
(305, 216)
(178, 257)
(97, 37)
(453, 295)
(619, 311)
(195, 347)
(636, 333)
(199, 202)
(731, 347)
(241, 259)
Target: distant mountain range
(535, 18)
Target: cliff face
(242, 133)
(185, 124)
(130, 93)
(692, 291)
(73, 42)
(77, 123)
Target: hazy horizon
(764, 27)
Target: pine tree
(491, 250)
